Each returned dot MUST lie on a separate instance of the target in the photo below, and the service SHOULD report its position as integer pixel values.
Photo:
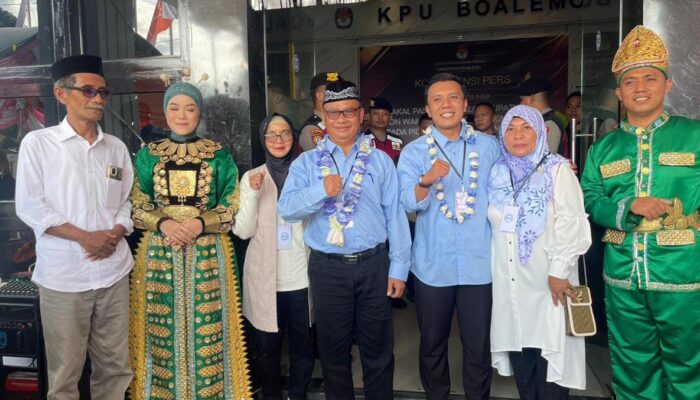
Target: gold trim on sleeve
(217, 220)
(234, 199)
(137, 197)
(615, 168)
(147, 220)
(614, 236)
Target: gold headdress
(641, 48)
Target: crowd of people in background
(486, 221)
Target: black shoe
(399, 304)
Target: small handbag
(579, 310)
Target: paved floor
(407, 381)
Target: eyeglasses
(90, 92)
(348, 113)
(286, 136)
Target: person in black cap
(312, 129)
(379, 119)
(347, 193)
(73, 185)
(534, 92)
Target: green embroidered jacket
(661, 161)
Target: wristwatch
(423, 184)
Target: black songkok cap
(75, 65)
(323, 78)
(534, 85)
(380, 103)
(341, 90)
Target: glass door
(600, 113)
(600, 110)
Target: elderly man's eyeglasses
(285, 136)
(347, 113)
(90, 92)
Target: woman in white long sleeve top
(539, 229)
(275, 281)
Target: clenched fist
(439, 170)
(256, 180)
(333, 185)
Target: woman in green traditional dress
(186, 331)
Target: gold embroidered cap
(642, 47)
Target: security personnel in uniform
(534, 92)
(312, 130)
(379, 119)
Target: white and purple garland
(473, 178)
(340, 213)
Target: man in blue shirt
(443, 177)
(348, 193)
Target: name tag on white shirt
(510, 218)
(284, 237)
(461, 201)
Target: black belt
(353, 258)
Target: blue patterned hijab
(530, 176)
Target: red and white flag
(163, 17)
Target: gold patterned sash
(674, 229)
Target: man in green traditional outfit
(641, 182)
(186, 327)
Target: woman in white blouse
(275, 280)
(539, 229)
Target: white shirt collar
(67, 132)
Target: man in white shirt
(73, 184)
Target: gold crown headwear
(641, 48)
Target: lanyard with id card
(462, 196)
(461, 201)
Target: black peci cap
(534, 85)
(84, 63)
(380, 103)
(341, 90)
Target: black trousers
(347, 297)
(435, 307)
(530, 371)
(293, 320)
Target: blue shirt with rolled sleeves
(379, 213)
(446, 253)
